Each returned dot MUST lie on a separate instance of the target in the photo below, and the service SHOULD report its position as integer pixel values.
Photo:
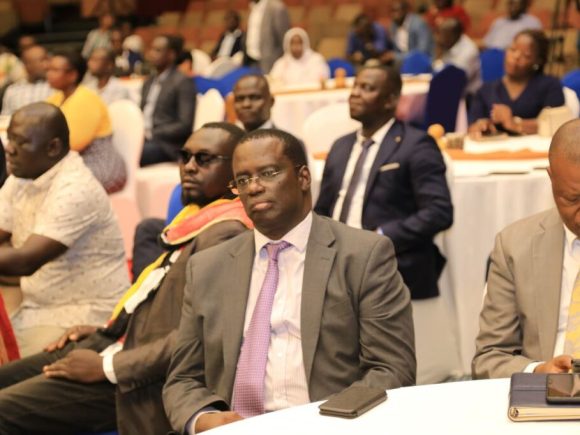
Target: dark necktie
(354, 180)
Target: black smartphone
(353, 402)
(563, 388)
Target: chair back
(325, 125)
(220, 67)
(571, 101)
(337, 62)
(201, 61)
(175, 205)
(203, 84)
(128, 135)
(210, 108)
(445, 93)
(416, 62)
(492, 64)
(572, 81)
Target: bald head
(564, 173)
(566, 142)
(38, 138)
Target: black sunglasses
(201, 158)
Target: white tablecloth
(460, 408)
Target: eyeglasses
(202, 158)
(265, 176)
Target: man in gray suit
(168, 103)
(267, 23)
(341, 313)
(534, 269)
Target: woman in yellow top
(88, 120)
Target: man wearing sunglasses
(298, 309)
(72, 386)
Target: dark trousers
(154, 152)
(31, 403)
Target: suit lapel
(340, 157)
(235, 299)
(317, 267)
(390, 144)
(547, 261)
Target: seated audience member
(409, 31)
(253, 102)
(453, 47)
(11, 68)
(25, 42)
(504, 29)
(242, 351)
(389, 178)
(442, 9)
(530, 321)
(268, 22)
(368, 40)
(184, 63)
(99, 37)
(127, 59)
(64, 238)
(32, 89)
(168, 103)
(88, 120)
(100, 79)
(232, 39)
(77, 391)
(512, 103)
(300, 64)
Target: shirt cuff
(109, 369)
(380, 231)
(532, 366)
(190, 426)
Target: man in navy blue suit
(389, 177)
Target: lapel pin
(398, 139)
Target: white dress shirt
(465, 55)
(285, 381)
(356, 206)
(228, 43)
(402, 35)
(254, 29)
(570, 269)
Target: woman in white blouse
(300, 64)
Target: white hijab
(311, 67)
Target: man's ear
(391, 102)
(305, 178)
(54, 148)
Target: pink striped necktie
(251, 370)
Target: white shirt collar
(571, 238)
(297, 236)
(379, 135)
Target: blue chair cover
(175, 205)
(416, 62)
(227, 82)
(203, 84)
(445, 92)
(572, 81)
(492, 64)
(337, 62)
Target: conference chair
(220, 67)
(444, 96)
(416, 62)
(175, 205)
(571, 101)
(128, 136)
(337, 62)
(492, 64)
(201, 61)
(210, 108)
(204, 84)
(572, 81)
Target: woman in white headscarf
(300, 64)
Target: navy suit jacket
(406, 196)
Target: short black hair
(542, 45)
(260, 77)
(235, 132)
(394, 82)
(174, 43)
(76, 62)
(293, 148)
(184, 56)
